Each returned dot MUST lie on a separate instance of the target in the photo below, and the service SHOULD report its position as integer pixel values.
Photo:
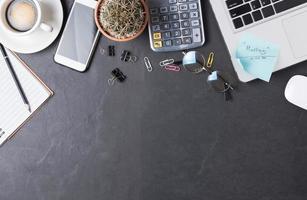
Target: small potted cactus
(121, 20)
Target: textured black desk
(159, 136)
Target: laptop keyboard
(248, 12)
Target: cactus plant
(122, 18)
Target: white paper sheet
(13, 112)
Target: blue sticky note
(258, 57)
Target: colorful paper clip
(210, 60)
(148, 64)
(166, 62)
(174, 68)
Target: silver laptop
(283, 22)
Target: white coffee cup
(4, 24)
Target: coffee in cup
(21, 15)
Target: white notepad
(13, 112)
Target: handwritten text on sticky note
(257, 57)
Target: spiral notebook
(13, 112)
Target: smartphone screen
(79, 34)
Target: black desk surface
(159, 136)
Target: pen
(13, 73)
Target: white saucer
(38, 40)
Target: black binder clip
(111, 50)
(126, 57)
(117, 75)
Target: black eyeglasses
(195, 62)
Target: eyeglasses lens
(217, 82)
(194, 62)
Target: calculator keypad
(175, 24)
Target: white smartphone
(80, 36)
